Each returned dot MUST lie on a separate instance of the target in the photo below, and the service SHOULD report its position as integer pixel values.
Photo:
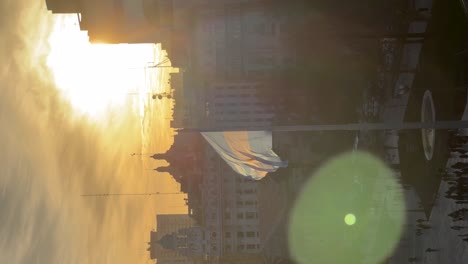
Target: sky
(67, 127)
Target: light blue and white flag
(249, 153)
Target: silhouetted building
(127, 21)
(160, 241)
(109, 21)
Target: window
(240, 203)
(250, 234)
(262, 60)
(264, 29)
(240, 234)
(227, 215)
(251, 246)
(227, 247)
(227, 234)
(250, 191)
(213, 234)
(250, 203)
(288, 61)
(240, 247)
(250, 215)
(258, 29)
(283, 28)
(240, 215)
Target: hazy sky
(50, 154)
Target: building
(229, 208)
(227, 42)
(169, 223)
(241, 40)
(166, 225)
(109, 21)
(184, 158)
(229, 104)
(189, 242)
(190, 104)
(225, 210)
(238, 104)
(132, 21)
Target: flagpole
(377, 126)
(344, 127)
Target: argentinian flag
(249, 153)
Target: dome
(168, 242)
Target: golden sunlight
(94, 77)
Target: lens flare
(350, 219)
(350, 186)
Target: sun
(94, 77)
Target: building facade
(238, 104)
(230, 209)
(241, 40)
(166, 225)
(228, 226)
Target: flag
(248, 153)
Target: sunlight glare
(94, 77)
(350, 219)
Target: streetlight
(159, 96)
(155, 65)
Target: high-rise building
(230, 209)
(238, 104)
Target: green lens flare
(351, 186)
(350, 219)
